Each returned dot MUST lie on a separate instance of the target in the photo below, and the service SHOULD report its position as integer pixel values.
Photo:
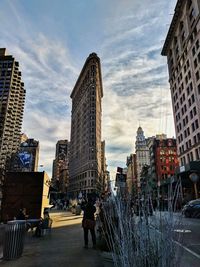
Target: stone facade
(131, 176)
(163, 158)
(142, 152)
(182, 48)
(85, 165)
(60, 175)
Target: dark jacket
(89, 211)
(21, 216)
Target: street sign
(119, 169)
(120, 180)
(182, 168)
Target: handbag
(88, 224)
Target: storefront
(190, 179)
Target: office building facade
(12, 98)
(131, 178)
(60, 175)
(182, 48)
(142, 153)
(85, 164)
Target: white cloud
(48, 73)
(136, 89)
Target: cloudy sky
(52, 39)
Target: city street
(63, 247)
(187, 238)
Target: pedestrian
(22, 214)
(44, 223)
(88, 222)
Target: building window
(198, 137)
(197, 154)
(195, 63)
(197, 44)
(192, 97)
(197, 75)
(194, 111)
(197, 124)
(193, 127)
(191, 114)
(181, 161)
(185, 134)
(191, 87)
(190, 143)
(193, 51)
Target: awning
(193, 166)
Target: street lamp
(194, 178)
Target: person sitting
(22, 214)
(43, 224)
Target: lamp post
(194, 178)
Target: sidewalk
(64, 247)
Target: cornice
(170, 34)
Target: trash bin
(14, 239)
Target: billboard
(25, 159)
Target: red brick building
(163, 158)
(166, 158)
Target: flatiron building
(85, 166)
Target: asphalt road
(187, 238)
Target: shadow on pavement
(63, 247)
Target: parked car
(192, 209)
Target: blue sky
(52, 39)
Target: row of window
(183, 57)
(196, 140)
(190, 156)
(168, 152)
(167, 168)
(194, 126)
(167, 159)
(193, 112)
